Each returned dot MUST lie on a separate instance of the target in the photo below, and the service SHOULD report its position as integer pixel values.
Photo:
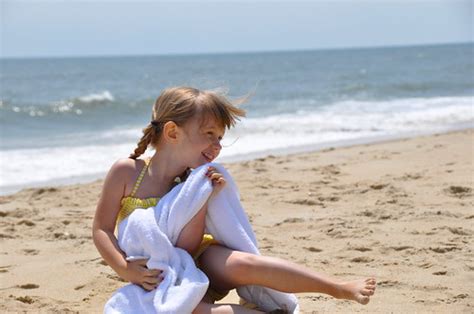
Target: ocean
(66, 120)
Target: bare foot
(357, 290)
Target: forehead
(209, 122)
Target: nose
(218, 146)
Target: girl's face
(201, 141)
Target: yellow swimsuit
(129, 203)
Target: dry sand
(400, 210)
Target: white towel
(154, 231)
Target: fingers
(148, 272)
(211, 171)
(153, 272)
(215, 176)
(153, 280)
(151, 283)
(141, 262)
(148, 287)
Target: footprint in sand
(459, 231)
(336, 233)
(28, 286)
(329, 198)
(115, 277)
(313, 249)
(301, 237)
(401, 248)
(440, 273)
(331, 170)
(426, 265)
(412, 176)
(362, 259)
(4, 269)
(290, 220)
(26, 222)
(443, 250)
(360, 248)
(25, 299)
(304, 202)
(44, 190)
(461, 296)
(378, 186)
(312, 298)
(64, 235)
(458, 191)
(74, 213)
(388, 283)
(30, 251)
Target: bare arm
(191, 236)
(104, 226)
(105, 217)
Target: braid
(144, 142)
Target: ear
(170, 132)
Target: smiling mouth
(208, 157)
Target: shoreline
(398, 210)
(90, 178)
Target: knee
(242, 266)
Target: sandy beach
(401, 211)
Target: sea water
(67, 120)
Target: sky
(100, 28)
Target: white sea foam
(97, 97)
(344, 121)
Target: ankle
(340, 290)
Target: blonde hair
(181, 104)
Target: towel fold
(154, 231)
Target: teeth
(207, 156)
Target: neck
(164, 166)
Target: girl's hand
(138, 273)
(217, 180)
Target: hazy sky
(83, 28)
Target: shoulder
(125, 168)
(125, 164)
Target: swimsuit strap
(140, 177)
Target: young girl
(186, 128)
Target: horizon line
(235, 52)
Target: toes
(363, 299)
(369, 286)
(367, 292)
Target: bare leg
(228, 269)
(207, 308)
